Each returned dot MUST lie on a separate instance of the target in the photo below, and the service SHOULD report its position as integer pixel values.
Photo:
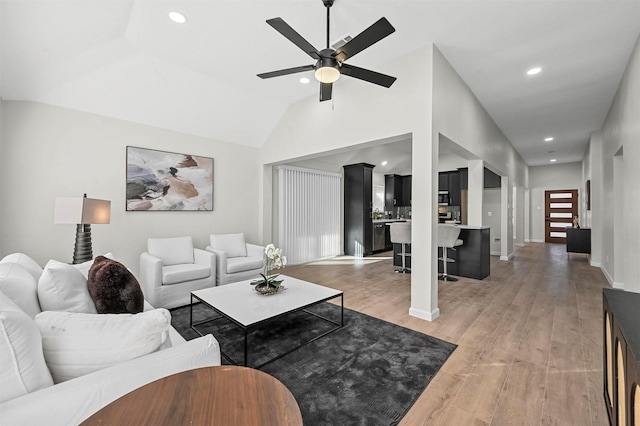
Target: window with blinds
(308, 214)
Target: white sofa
(236, 260)
(49, 377)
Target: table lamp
(83, 212)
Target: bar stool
(400, 233)
(447, 239)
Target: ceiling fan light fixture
(327, 70)
(327, 74)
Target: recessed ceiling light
(177, 17)
(304, 80)
(549, 139)
(534, 71)
(384, 163)
(553, 160)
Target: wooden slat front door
(560, 206)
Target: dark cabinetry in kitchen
(491, 180)
(358, 202)
(406, 190)
(397, 191)
(392, 190)
(450, 181)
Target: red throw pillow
(113, 288)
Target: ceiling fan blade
(286, 71)
(376, 32)
(367, 75)
(285, 29)
(325, 91)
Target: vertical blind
(308, 214)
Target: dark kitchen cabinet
(406, 190)
(454, 189)
(397, 191)
(358, 204)
(450, 181)
(464, 178)
(392, 190)
(443, 181)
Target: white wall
(461, 118)
(620, 134)
(360, 113)
(59, 152)
(544, 178)
(492, 217)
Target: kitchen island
(472, 258)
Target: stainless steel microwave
(443, 198)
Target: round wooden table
(225, 395)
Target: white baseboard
(612, 283)
(527, 240)
(429, 316)
(507, 258)
(537, 241)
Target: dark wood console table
(579, 240)
(224, 395)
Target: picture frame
(168, 181)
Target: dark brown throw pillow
(113, 288)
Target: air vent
(341, 42)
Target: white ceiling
(125, 59)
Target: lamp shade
(82, 210)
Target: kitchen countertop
(390, 220)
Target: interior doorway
(560, 207)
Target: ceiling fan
(330, 62)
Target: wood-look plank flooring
(529, 336)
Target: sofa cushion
(233, 244)
(26, 262)
(172, 251)
(63, 288)
(23, 366)
(76, 344)
(113, 288)
(240, 264)
(175, 274)
(18, 284)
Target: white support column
(475, 192)
(506, 219)
(518, 211)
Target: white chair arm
(254, 250)
(206, 258)
(150, 276)
(221, 260)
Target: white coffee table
(239, 303)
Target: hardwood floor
(529, 336)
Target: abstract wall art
(168, 181)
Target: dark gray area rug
(370, 372)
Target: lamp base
(82, 251)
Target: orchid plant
(273, 260)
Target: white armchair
(171, 269)
(236, 260)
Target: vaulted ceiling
(125, 59)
